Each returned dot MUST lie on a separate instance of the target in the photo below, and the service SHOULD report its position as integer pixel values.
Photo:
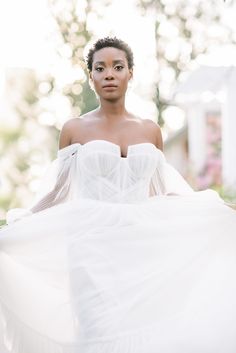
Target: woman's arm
(51, 198)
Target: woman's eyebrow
(114, 62)
(118, 61)
(99, 63)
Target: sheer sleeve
(166, 180)
(57, 186)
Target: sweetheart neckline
(111, 143)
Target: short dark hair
(109, 42)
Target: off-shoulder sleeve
(57, 185)
(167, 180)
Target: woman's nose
(109, 74)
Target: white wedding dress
(107, 262)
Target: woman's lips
(110, 86)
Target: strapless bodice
(102, 173)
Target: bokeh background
(184, 79)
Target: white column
(229, 133)
(196, 135)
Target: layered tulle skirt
(89, 276)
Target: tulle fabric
(60, 185)
(108, 260)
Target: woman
(119, 255)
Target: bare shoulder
(151, 124)
(153, 131)
(74, 127)
(66, 132)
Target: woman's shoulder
(149, 125)
(73, 123)
(153, 130)
(67, 132)
(148, 128)
(73, 128)
(66, 129)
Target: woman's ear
(91, 81)
(131, 74)
(130, 77)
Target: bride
(118, 254)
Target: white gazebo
(211, 89)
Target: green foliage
(183, 31)
(2, 222)
(25, 141)
(9, 135)
(228, 194)
(72, 26)
(31, 141)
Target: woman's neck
(112, 111)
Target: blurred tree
(183, 31)
(72, 20)
(22, 138)
(40, 104)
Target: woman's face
(110, 73)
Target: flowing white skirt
(89, 276)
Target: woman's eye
(119, 67)
(99, 69)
